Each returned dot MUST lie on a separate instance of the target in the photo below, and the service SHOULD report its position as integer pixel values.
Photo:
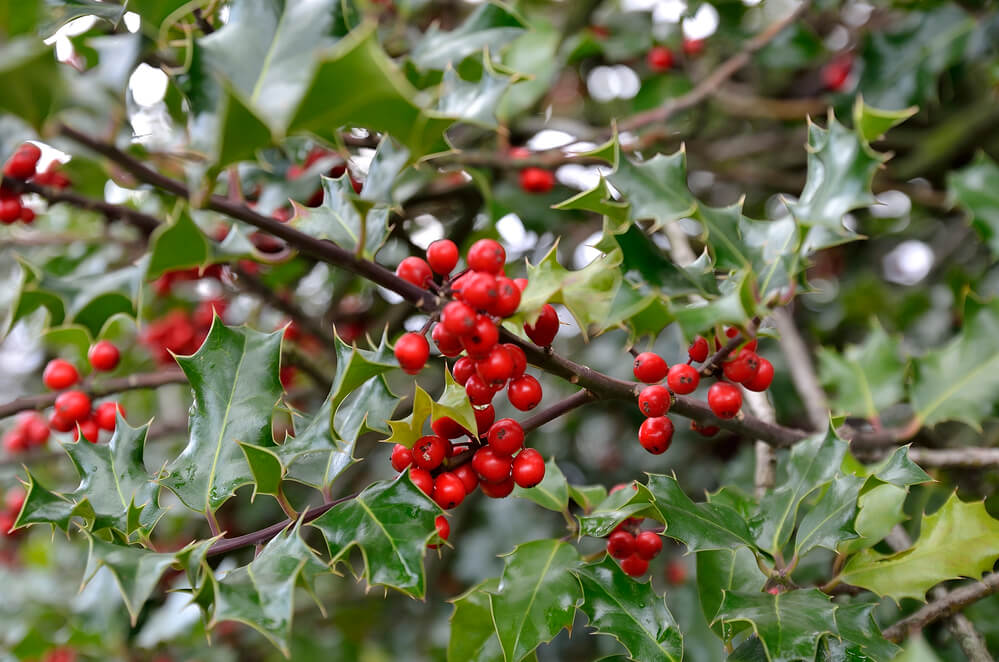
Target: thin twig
(952, 603)
(938, 457)
(730, 345)
(799, 364)
(143, 222)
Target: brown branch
(730, 345)
(953, 602)
(97, 390)
(799, 362)
(715, 79)
(143, 222)
(944, 458)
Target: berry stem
(711, 365)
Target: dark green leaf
(864, 379)
(878, 511)
(720, 570)
(976, 189)
(42, 506)
(474, 102)
(473, 636)
(830, 520)
(30, 80)
(180, 245)
(587, 496)
(344, 218)
(633, 500)
(700, 526)
(551, 493)
(490, 26)
(137, 571)
(856, 625)
(789, 625)
(657, 188)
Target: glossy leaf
(656, 188)
(179, 245)
(551, 493)
(863, 380)
(137, 571)
(699, 526)
(474, 102)
(43, 506)
(959, 540)
(878, 511)
(721, 570)
(830, 520)
(234, 376)
(390, 523)
(473, 637)
(587, 496)
(536, 597)
(789, 625)
(453, 403)
(629, 611)
(633, 500)
(872, 123)
(976, 189)
(490, 26)
(856, 625)
(31, 80)
(344, 218)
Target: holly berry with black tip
(498, 490)
(545, 328)
(22, 164)
(528, 468)
(763, 378)
(479, 290)
(620, 544)
(648, 544)
(650, 368)
(60, 374)
(634, 566)
(536, 180)
(660, 58)
(486, 255)
(446, 427)
(656, 434)
(468, 477)
(458, 318)
(74, 405)
(412, 351)
(442, 256)
(507, 298)
(496, 368)
(430, 451)
(724, 399)
(103, 356)
(449, 491)
(524, 393)
(491, 466)
(683, 378)
(106, 415)
(402, 457)
(463, 369)
(447, 343)
(654, 400)
(478, 391)
(415, 270)
(506, 436)
(742, 367)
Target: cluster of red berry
(532, 178)
(22, 165)
(12, 504)
(632, 546)
(836, 72)
(180, 331)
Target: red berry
(497, 490)
(524, 393)
(402, 457)
(447, 343)
(743, 367)
(763, 378)
(430, 451)
(507, 298)
(732, 332)
(468, 477)
(35, 428)
(660, 58)
(422, 479)
(463, 369)
(74, 405)
(676, 572)
(446, 427)
(15, 441)
(106, 415)
(519, 152)
(61, 423)
(648, 544)
(479, 393)
(496, 368)
(698, 349)
(89, 429)
(486, 255)
(683, 379)
(656, 434)
(528, 468)
(521, 284)
(506, 437)
(481, 340)
(60, 374)
(650, 368)
(519, 359)
(693, 47)
(442, 256)
(443, 530)
(544, 329)
(10, 210)
(103, 356)
(484, 417)
(458, 318)
(449, 491)
(479, 290)
(14, 500)
(704, 430)
(620, 544)
(412, 351)
(415, 270)
(724, 399)
(635, 566)
(22, 164)
(490, 465)
(27, 215)
(536, 180)
(654, 400)
(837, 71)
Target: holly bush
(670, 322)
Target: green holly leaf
(490, 26)
(873, 123)
(863, 380)
(344, 218)
(896, 469)
(789, 625)
(587, 496)
(389, 161)
(136, 570)
(551, 493)
(473, 636)
(856, 625)
(630, 611)
(114, 480)
(453, 403)
(43, 506)
(600, 201)
(959, 540)
(960, 381)
(736, 306)
(657, 188)
(976, 189)
(266, 467)
(721, 570)
(31, 80)
(536, 597)
(262, 594)
(811, 463)
(634, 500)
(830, 520)
(699, 526)
(20, 17)
(841, 167)
(179, 245)
(879, 509)
(474, 102)
(234, 376)
(390, 522)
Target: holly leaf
(959, 540)
(656, 188)
(473, 637)
(960, 381)
(600, 201)
(453, 403)
(863, 380)
(736, 306)
(789, 625)
(262, 594)
(234, 375)
(699, 526)
(551, 493)
(721, 570)
(830, 520)
(536, 597)
(474, 102)
(179, 245)
(976, 189)
(812, 462)
(634, 500)
(879, 509)
(30, 79)
(389, 161)
(114, 480)
(43, 506)
(587, 496)
(896, 469)
(873, 123)
(490, 26)
(344, 218)
(136, 570)
(630, 611)
(390, 522)
(856, 625)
